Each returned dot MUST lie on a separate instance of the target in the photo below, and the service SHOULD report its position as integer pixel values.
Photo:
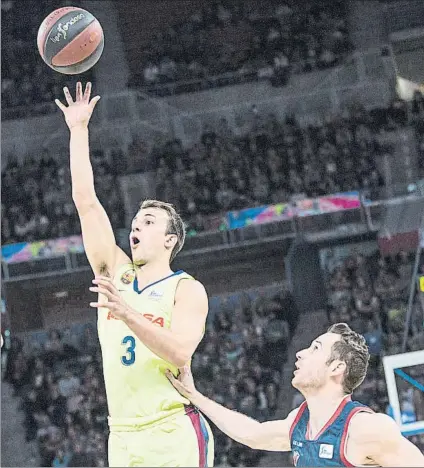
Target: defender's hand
(78, 112)
(117, 306)
(185, 383)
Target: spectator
(233, 38)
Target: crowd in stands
(270, 40)
(371, 295)
(262, 160)
(26, 79)
(37, 201)
(64, 401)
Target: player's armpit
(189, 317)
(99, 240)
(382, 443)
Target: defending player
(328, 429)
(149, 318)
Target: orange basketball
(70, 40)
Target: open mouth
(134, 242)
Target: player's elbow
(180, 359)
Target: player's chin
(295, 381)
(137, 255)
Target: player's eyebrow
(149, 214)
(318, 342)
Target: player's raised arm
(99, 240)
(271, 435)
(382, 443)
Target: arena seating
(29, 86)
(60, 379)
(227, 37)
(37, 202)
(265, 161)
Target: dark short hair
(175, 223)
(353, 350)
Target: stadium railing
(340, 215)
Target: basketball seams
(46, 25)
(65, 54)
(53, 48)
(73, 69)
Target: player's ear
(338, 367)
(170, 241)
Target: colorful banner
(26, 251)
(259, 215)
(328, 204)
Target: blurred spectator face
(232, 391)
(248, 404)
(250, 386)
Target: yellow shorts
(181, 440)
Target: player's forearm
(236, 425)
(162, 341)
(81, 169)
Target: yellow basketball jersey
(136, 385)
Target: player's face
(312, 368)
(148, 239)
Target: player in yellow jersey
(149, 318)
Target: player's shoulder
(291, 418)
(366, 426)
(191, 286)
(294, 413)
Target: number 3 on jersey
(129, 358)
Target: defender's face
(147, 238)
(312, 370)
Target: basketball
(70, 40)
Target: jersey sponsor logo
(128, 277)
(326, 451)
(155, 320)
(155, 295)
(297, 444)
(296, 456)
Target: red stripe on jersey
(302, 408)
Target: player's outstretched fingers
(60, 105)
(87, 92)
(94, 101)
(103, 291)
(99, 305)
(78, 93)
(68, 96)
(170, 375)
(105, 283)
